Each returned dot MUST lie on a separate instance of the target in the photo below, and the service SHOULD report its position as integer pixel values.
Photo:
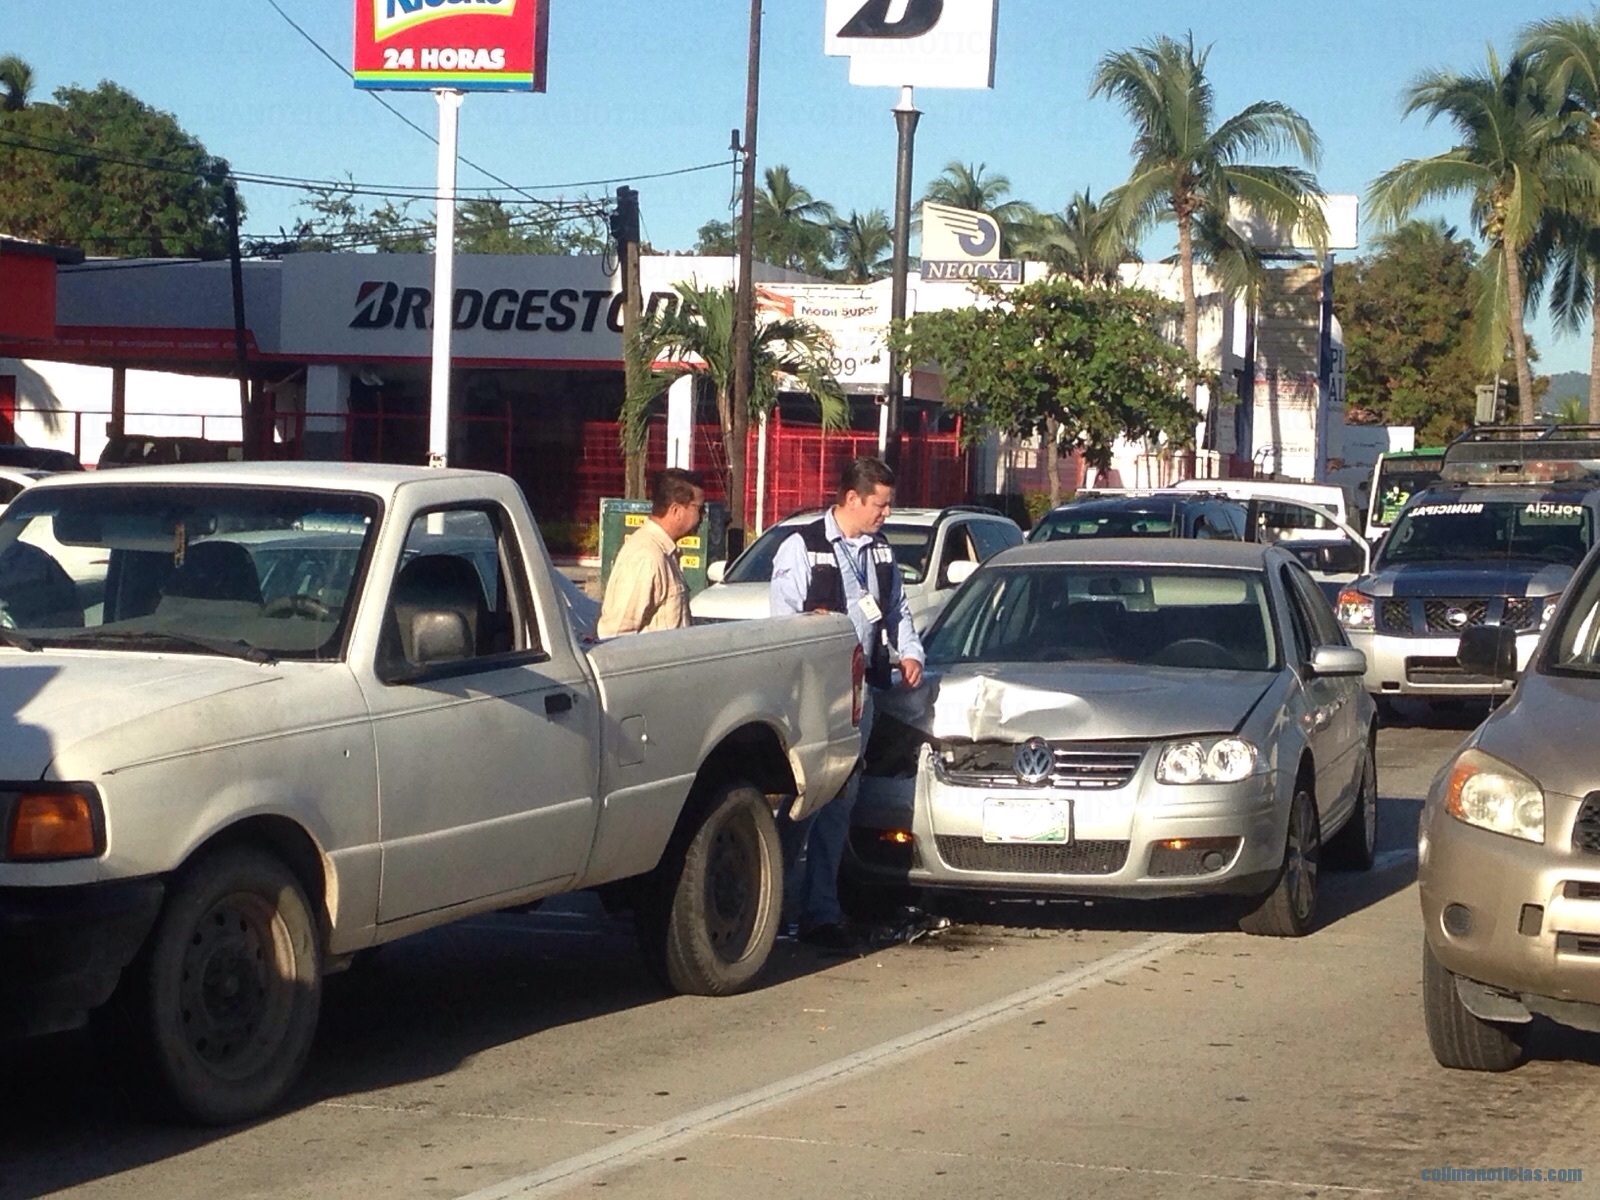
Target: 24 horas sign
(482, 45)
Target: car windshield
(1081, 613)
(250, 572)
(912, 545)
(1067, 526)
(1478, 531)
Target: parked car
(1159, 514)
(1134, 719)
(149, 450)
(306, 716)
(1494, 542)
(936, 548)
(1509, 847)
(38, 458)
(14, 479)
(1281, 523)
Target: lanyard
(857, 569)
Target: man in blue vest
(842, 563)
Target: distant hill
(1568, 383)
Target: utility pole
(744, 319)
(906, 117)
(254, 437)
(625, 233)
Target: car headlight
(1356, 610)
(1493, 795)
(1215, 760)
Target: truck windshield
(1400, 477)
(1477, 531)
(251, 572)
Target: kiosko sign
(486, 45)
(915, 43)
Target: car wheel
(711, 914)
(1460, 1040)
(1290, 908)
(1355, 846)
(217, 1017)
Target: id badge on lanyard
(867, 605)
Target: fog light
(896, 837)
(1457, 920)
(1213, 861)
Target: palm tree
(793, 228)
(696, 334)
(1517, 153)
(1084, 241)
(1191, 169)
(1564, 53)
(1570, 411)
(863, 244)
(968, 186)
(16, 77)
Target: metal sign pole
(905, 119)
(444, 278)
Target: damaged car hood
(1088, 702)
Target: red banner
(483, 45)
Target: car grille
(1399, 615)
(1078, 858)
(1437, 614)
(1586, 829)
(1521, 612)
(1081, 765)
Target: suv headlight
(1493, 795)
(1356, 610)
(1213, 760)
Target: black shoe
(833, 937)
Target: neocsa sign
(483, 45)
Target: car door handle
(556, 703)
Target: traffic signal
(1491, 402)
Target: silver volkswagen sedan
(1127, 718)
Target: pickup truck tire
(1290, 908)
(1460, 1040)
(710, 913)
(217, 1019)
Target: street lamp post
(906, 117)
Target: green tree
(493, 227)
(1517, 150)
(793, 228)
(16, 77)
(1407, 313)
(103, 171)
(1081, 366)
(1191, 168)
(972, 187)
(863, 243)
(716, 239)
(696, 335)
(1084, 241)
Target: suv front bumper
(1403, 665)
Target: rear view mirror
(1337, 662)
(958, 573)
(438, 636)
(1489, 651)
(717, 571)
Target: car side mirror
(1489, 650)
(717, 571)
(439, 635)
(958, 573)
(1337, 662)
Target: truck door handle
(556, 703)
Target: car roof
(907, 516)
(1287, 489)
(1153, 552)
(378, 479)
(1140, 502)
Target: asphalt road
(1032, 1051)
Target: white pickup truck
(260, 717)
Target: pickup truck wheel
(1459, 1039)
(1354, 848)
(1290, 908)
(709, 924)
(224, 1006)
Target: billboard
(472, 45)
(1341, 212)
(959, 244)
(915, 43)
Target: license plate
(1013, 820)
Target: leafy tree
(105, 172)
(1084, 241)
(492, 227)
(1084, 366)
(696, 334)
(716, 239)
(969, 186)
(864, 244)
(1517, 150)
(1190, 168)
(16, 77)
(1407, 312)
(793, 228)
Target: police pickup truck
(1494, 542)
(261, 716)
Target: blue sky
(642, 86)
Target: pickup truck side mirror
(1489, 650)
(1337, 662)
(717, 571)
(959, 572)
(438, 635)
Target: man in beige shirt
(646, 591)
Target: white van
(1282, 522)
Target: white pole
(883, 426)
(444, 278)
(761, 476)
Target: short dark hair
(674, 486)
(864, 475)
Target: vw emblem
(1034, 761)
(1456, 618)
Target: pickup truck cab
(304, 709)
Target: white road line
(668, 1135)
